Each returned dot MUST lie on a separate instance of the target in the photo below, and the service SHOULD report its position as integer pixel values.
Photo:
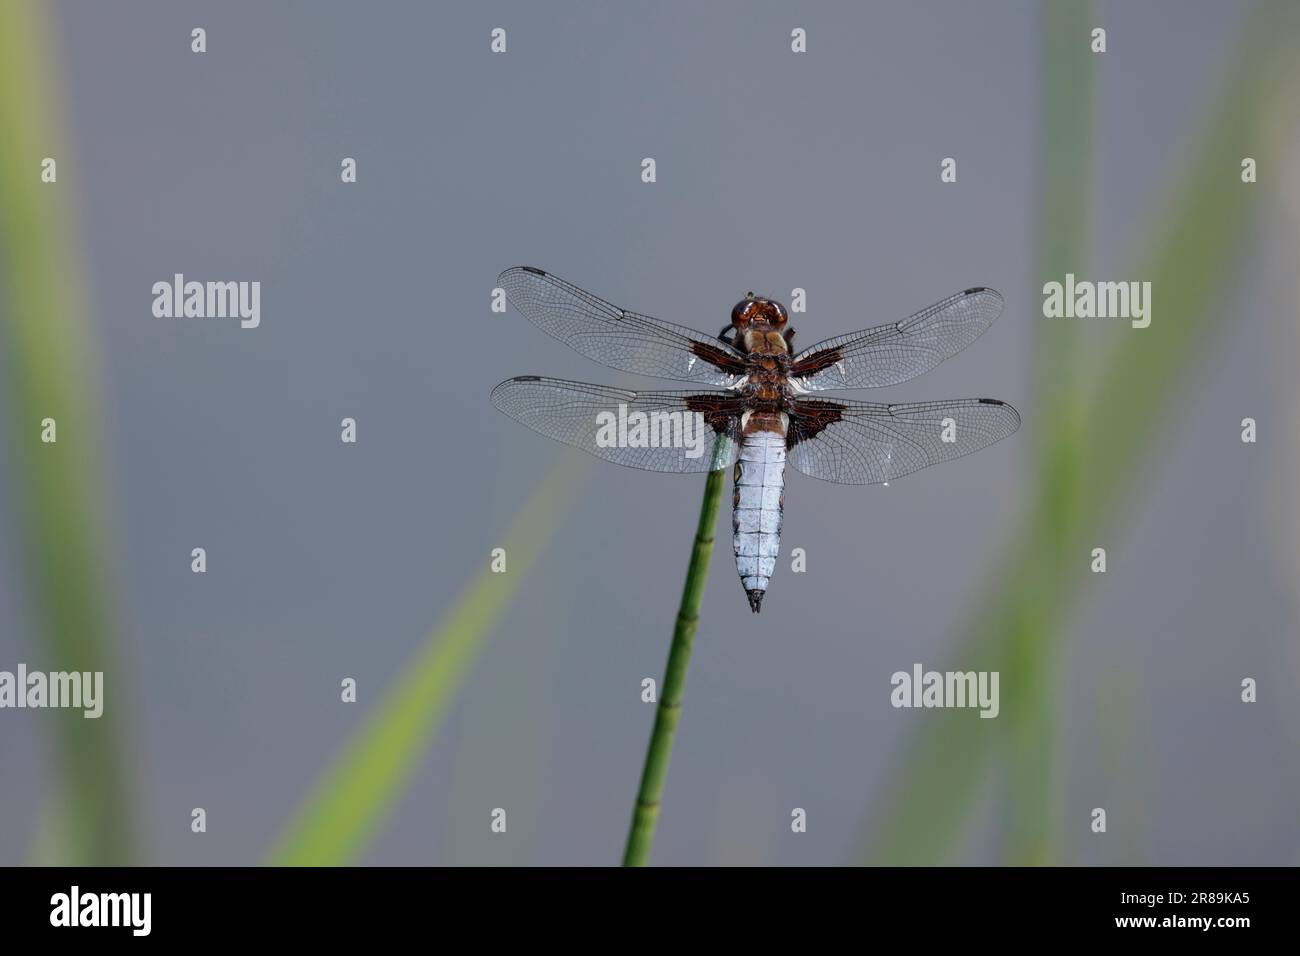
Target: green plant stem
(641, 837)
(48, 370)
(1031, 805)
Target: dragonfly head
(756, 310)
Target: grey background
(775, 171)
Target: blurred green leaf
(1064, 231)
(1091, 447)
(341, 815)
(49, 373)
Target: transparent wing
(889, 354)
(863, 443)
(616, 337)
(655, 431)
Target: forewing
(684, 427)
(616, 337)
(889, 354)
(863, 443)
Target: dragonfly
(755, 403)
